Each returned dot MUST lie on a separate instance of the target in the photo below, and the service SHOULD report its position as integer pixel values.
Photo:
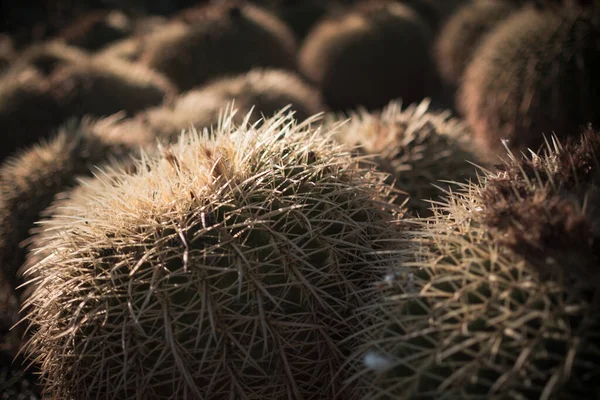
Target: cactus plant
(264, 90)
(417, 147)
(15, 383)
(225, 38)
(222, 268)
(373, 53)
(103, 86)
(30, 179)
(462, 34)
(535, 74)
(48, 56)
(27, 110)
(497, 296)
(7, 52)
(95, 29)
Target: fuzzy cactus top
(222, 267)
(419, 148)
(368, 55)
(497, 296)
(219, 39)
(535, 75)
(265, 91)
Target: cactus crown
(469, 317)
(220, 266)
(419, 148)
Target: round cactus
(373, 53)
(48, 56)
(263, 91)
(7, 52)
(535, 75)
(300, 15)
(95, 29)
(103, 86)
(27, 109)
(222, 268)
(15, 383)
(29, 180)
(418, 148)
(497, 296)
(225, 38)
(462, 34)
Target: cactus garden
(304, 200)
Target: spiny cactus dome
(224, 38)
(225, 267)
(367, 56)
(498, 295)
(463, 32)
(266, 91)
(30, 179)
(417, 147)
(536, 74)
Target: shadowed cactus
(373, 53)
(103, 86)
(536, 74)
(29, 180)
(222, 268)
(300, 15)
(263, 91)
(48, 56)
(7, 52)
(497, 297)
(95, 29)
(27, 110)
(220, 39)
(14, 382)
(417, 147)
(463, 32)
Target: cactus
(225, 38)
(222, 268)
(15, 383)
(48, 56)
(373, 53)
(264, 90)
(462, 34)
(27, 110)
(103, 86)
(30, 179)
(497, 296)
(418, 148)
(535, 74)
(300, 15)
(95, 29)
(7, 52)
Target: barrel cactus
(417, 147)
(263, 91)
(497, 296)
(369, 55)
(535, 75)
(103, 86)
(47, 56)
(30, 179)
(222, 268)
(96, 29)
(225, 38)
(463, 32)
(15, 383)
(27, 110)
